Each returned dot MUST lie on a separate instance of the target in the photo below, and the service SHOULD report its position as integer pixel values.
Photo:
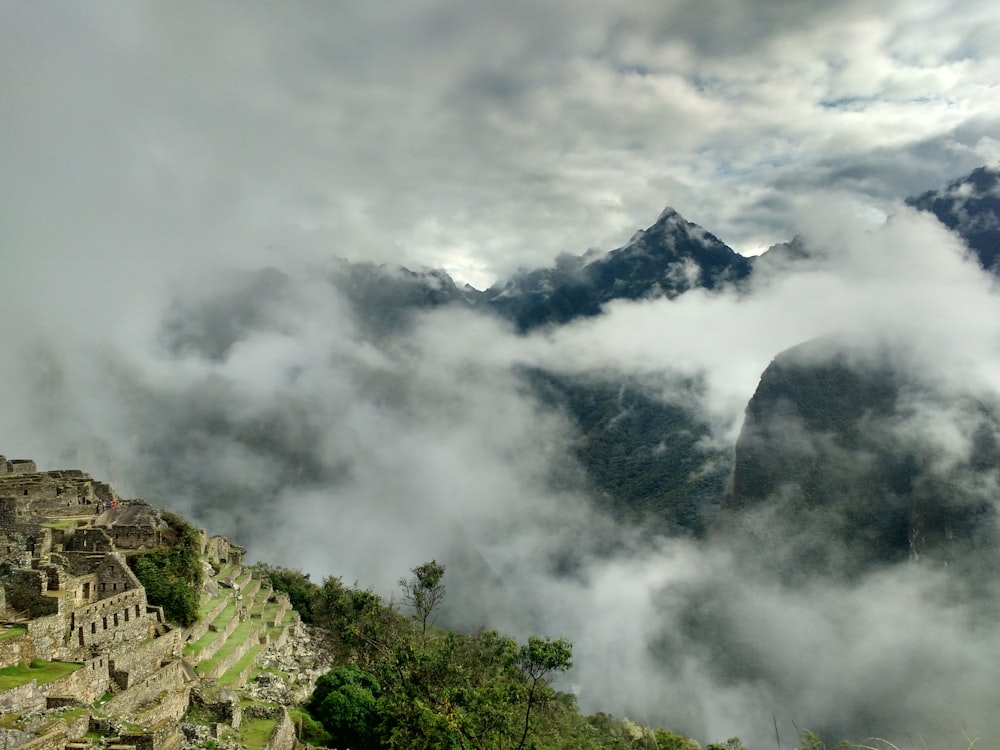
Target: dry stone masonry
(91, 658)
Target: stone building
(68, 595)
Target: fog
(262, 404)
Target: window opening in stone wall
(105, 622)
(126, 615)
(93, 627)
(116, 619)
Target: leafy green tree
(663, 739)
(733, 743)
(424, 591)
(539, 658)
(407, 686)
(172, 574)
(301, 591)
(345, 702)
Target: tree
(345, 702)
(172, 574)
(733, 743)
(301, 591)
(424, 591)
(539, 658)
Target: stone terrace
(69, 596)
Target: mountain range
(818, 440)
(743, 486)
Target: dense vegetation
(650, 458)
(828, 440)
(400, 682)
(172, 574)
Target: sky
(156, 157)
(475, 136)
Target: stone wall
(54, 740)
(133, 537)
(47, 635)
(284, 604)
(117, 619)
(157, 736)
(283, 735)
(213, 648)
(9, 515)
(222, 666)
(16, 649)
(169, 704)
(217, 550)
(115, 575)
(203, 625)
(170, 677)
(26, 697)
(50, 492)
(104, 493)
(83, 686)
(89, 540)
(137, 662)
(12, 738)
(27, 591)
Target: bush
(173, 576)
(345, 702)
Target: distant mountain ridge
(646, 459)
(665, 260)
(970, 207)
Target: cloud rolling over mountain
(263, 404)
(178, 182)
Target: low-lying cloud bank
(262, 406)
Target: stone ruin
(67, 594)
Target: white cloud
(154, 148)
(458, 135)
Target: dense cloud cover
(178, 181)
(262, 404)
(468, 135)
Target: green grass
(259, 605)
(74, 713)
(230, 676)
(220, 622)
(43, 671)
(243, 631)
(256, 732)
(13, 631)
(210, 603)
(64, 524)
(10, 721)
(274, 632)
(244, 578)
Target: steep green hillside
(833, 445)
(649, 459)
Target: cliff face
(970, 207)
(826, 447)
